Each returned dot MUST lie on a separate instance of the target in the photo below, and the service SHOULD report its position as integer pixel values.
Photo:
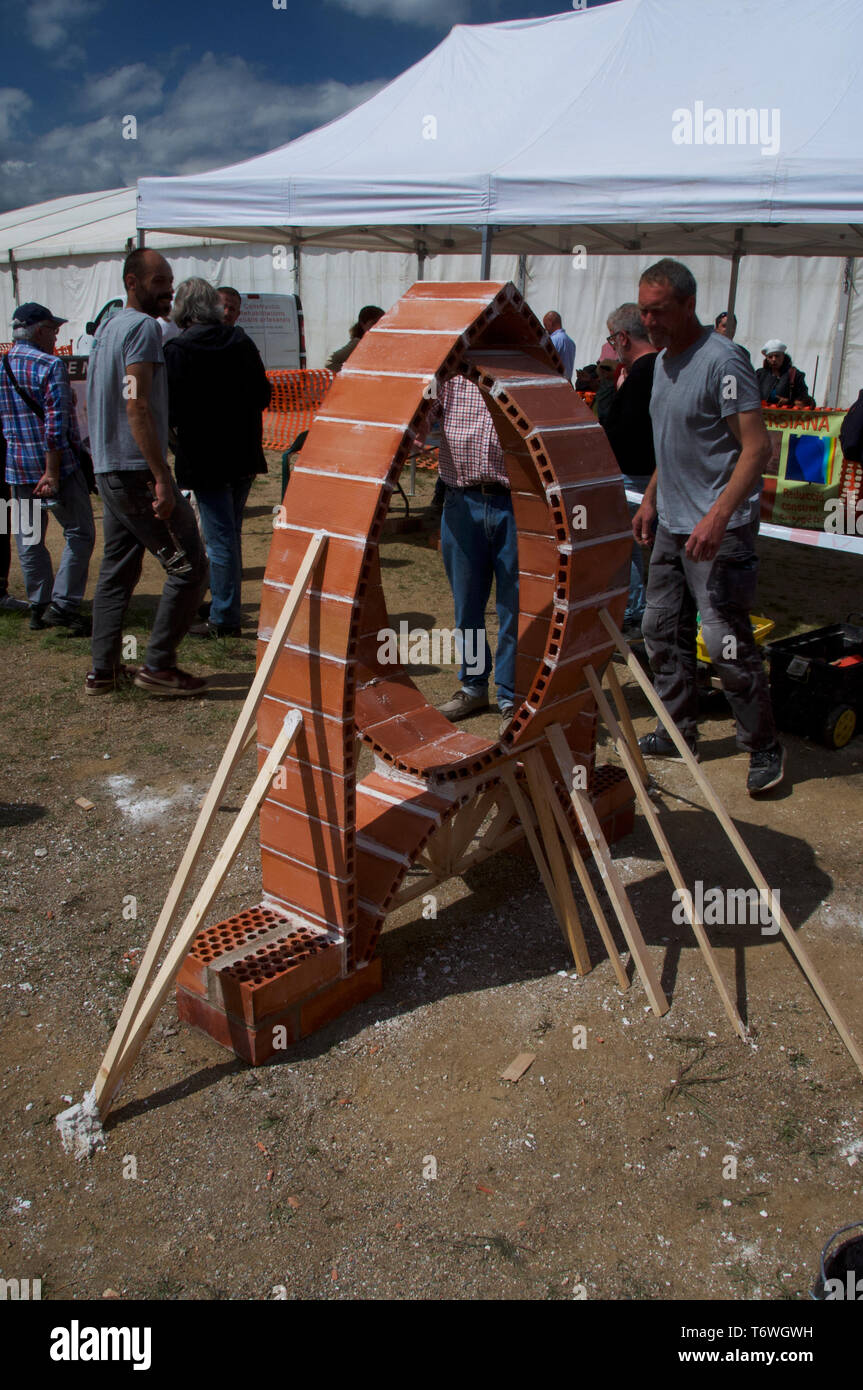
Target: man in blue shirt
(42, 469)
(562, 341)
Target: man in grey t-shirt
(127, 406)
(703, 502)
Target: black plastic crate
(813, 694)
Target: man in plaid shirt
(479, 543)
(43, 472)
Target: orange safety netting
(296, 399)
(65, 351)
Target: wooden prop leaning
(336, 852)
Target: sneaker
(214, 630)
(506, 712)
(73, 624)
(37, 620)
(170, 682)
(766, 769)
(657, 745)
(8, 604)
(462, 703)
(104, 682)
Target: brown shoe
(170, 682)
(103, 682)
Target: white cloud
(13, 105)
(134, 88)
(52, 23)
(55, 26)
(221, 111)
(432, 14)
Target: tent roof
(559, 131)
(80, 224)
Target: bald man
(127, 406)
(562, 341)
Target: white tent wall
(794, 298)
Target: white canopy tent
(573, 130)
(644, 126)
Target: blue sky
(208, 84)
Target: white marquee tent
(643, 126)
(540, 136)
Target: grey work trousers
(130, 528)
(722, 590)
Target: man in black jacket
(217, 390)
(630, 432)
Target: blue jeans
(637, 597)
(71, 508)
(479, 543)
(222, 521)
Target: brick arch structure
(334, 850)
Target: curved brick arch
(333, 852)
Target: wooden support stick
(242, 735)
(626, 721)
(161, 985)
(614, 885)
(795, 945)
(584, 879)
(524, 813)
(652, 817)
(468, 820)
(556, 862)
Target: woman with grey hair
(217, 390)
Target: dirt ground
(385, 1157)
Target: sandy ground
(385, 1157)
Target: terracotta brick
(384, 698)
(476, 293)
(535, 595)
(306, 889)
(351, 449)
(316, 683)
(324, 624)
(395, 401)
(255, 989)
(522, 473)
(337, 570)
(401, 352)
(323, 740)
(326, 503)
(313, 841)
(335, 999)
(377, 877)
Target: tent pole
(298, 271)
(13, 266)
(141, 239)
(837, 360)
(422, 253)
(735, 269)
(485, 254)
(521, 274)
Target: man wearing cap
(779, 381)
(43, 472)
(127, 407)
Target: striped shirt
(28, 439)
(470, 451)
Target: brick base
(272, 1035)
